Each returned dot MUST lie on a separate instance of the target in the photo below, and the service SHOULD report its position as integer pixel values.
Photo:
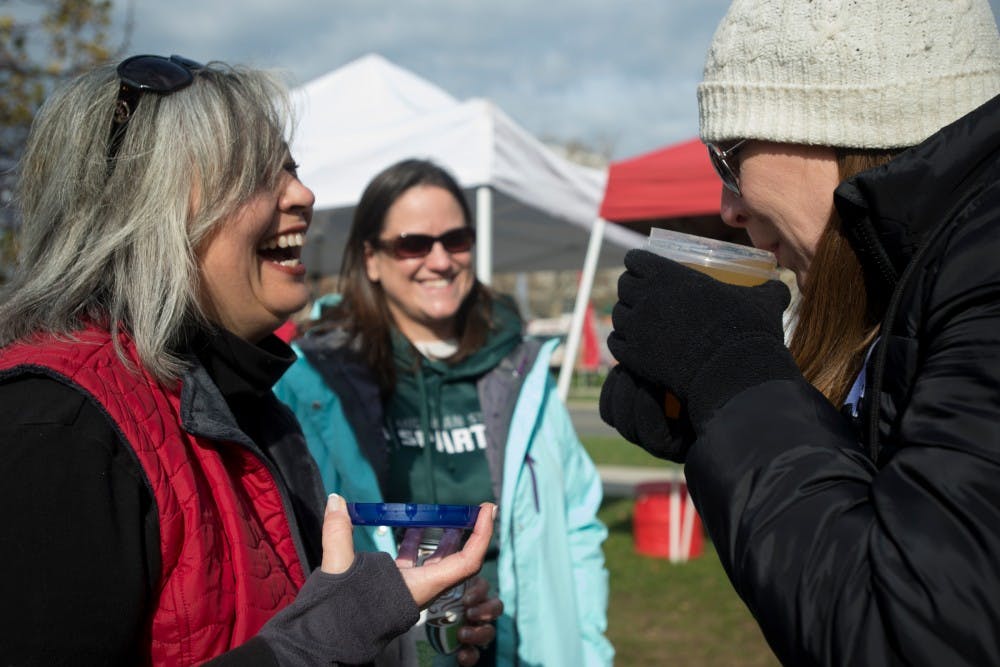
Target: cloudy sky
(616, 75)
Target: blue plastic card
(413, 515)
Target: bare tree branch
(49, 42)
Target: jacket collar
(226, 371)
(888, 211)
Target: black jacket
(880, 544)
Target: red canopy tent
(674, 187)
(677, 181)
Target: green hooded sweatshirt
(436, 402)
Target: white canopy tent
(534, 209)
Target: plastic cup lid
(698, 250)
(413, 515)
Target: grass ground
(662, 613)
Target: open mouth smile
(284, 249)
(437, 283)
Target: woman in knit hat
(852, 483)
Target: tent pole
(484, 234)
(580, 308)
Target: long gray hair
(114, 241)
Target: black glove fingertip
(606, 401)
(617, 345)
(637, 259)
(615, 394)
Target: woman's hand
(480, 610)
(701, 339)
(635, 407)
(435, 576)
(480, 613)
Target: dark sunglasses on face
(721, 160)
(411, 246)
(146, 74)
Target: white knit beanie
(849, 73)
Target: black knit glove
(703, 340)
(635, 407)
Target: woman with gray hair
(159, 504)
(851, 483)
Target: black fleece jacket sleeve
(80, 545)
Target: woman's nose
(438, 258)
(297, 195)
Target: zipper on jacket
(882, 353)
(867, 236)
(530, 462)
(517, 602)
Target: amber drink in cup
(728, 262)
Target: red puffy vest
(229, 560)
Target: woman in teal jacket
(420, 387)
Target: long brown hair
(363, 312)
(837, 317)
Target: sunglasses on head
(146, 74)
(727, 172)
(410, 246)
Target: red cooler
(665, 523)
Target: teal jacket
(553, 582)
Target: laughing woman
(159, 504)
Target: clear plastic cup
(729, 262)
(443, 617)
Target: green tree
(42, 44)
